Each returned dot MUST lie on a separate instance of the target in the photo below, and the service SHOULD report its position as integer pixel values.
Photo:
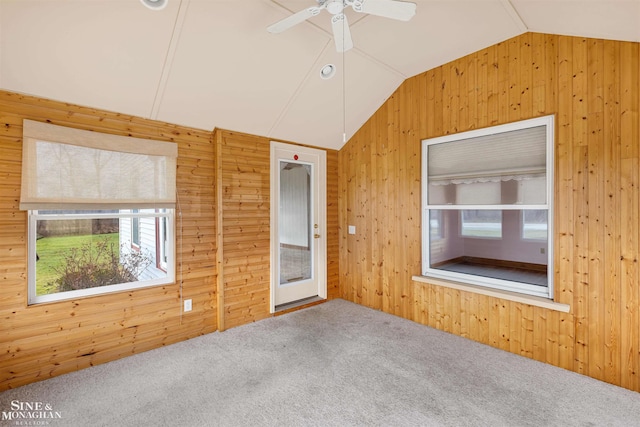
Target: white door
(298, 224)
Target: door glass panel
(295, 228)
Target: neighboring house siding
(147, 244)
(125, 232)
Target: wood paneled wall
(46, 340)
(244, 232)
(592, 86)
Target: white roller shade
(514, 155)
(483, 169)
(65, 168)
(532, 191)
(479, 193)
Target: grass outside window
(51, 256)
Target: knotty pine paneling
(243, 164)
(593, 89)
(333, 226)
(46, 340)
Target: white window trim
(135, 237)
(62, 296)
(163, 236)
(496, 293)
(504, 285)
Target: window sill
(496, 293)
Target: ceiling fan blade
(294, 19)
(400, 10)
(341, 32)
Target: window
(481, 223)
(534, 224)
(81, 253)
(487, 201)
(94, 202)
(436, 225)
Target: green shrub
(98, 263)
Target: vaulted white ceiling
(211, 63)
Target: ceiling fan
(394, 9)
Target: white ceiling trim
(508, 6)
(376, 61)
(353, 26)
(314, 71)
(183, 7)
(212, 64)
(316, 66)
(277, 5)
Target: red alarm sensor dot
(295, 157)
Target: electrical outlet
(187, 305)
(542, 250)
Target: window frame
(34, 216)
(494, 283)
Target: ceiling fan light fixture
(155, 4)
(327, 71)
(335, 6)
(394, 9)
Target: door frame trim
(321, 188)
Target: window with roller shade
(94, 203)
(490, 193)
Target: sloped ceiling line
(277, 5)
(212, 64)
(314, 70)
(384, 65)
(508, 6)
(353, 26)
(316, 66)
(183, 7)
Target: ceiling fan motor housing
(335, 6)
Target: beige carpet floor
(334, 364)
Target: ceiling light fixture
(155, 4)
(335, 6)
(394, 9)
(327, 71)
